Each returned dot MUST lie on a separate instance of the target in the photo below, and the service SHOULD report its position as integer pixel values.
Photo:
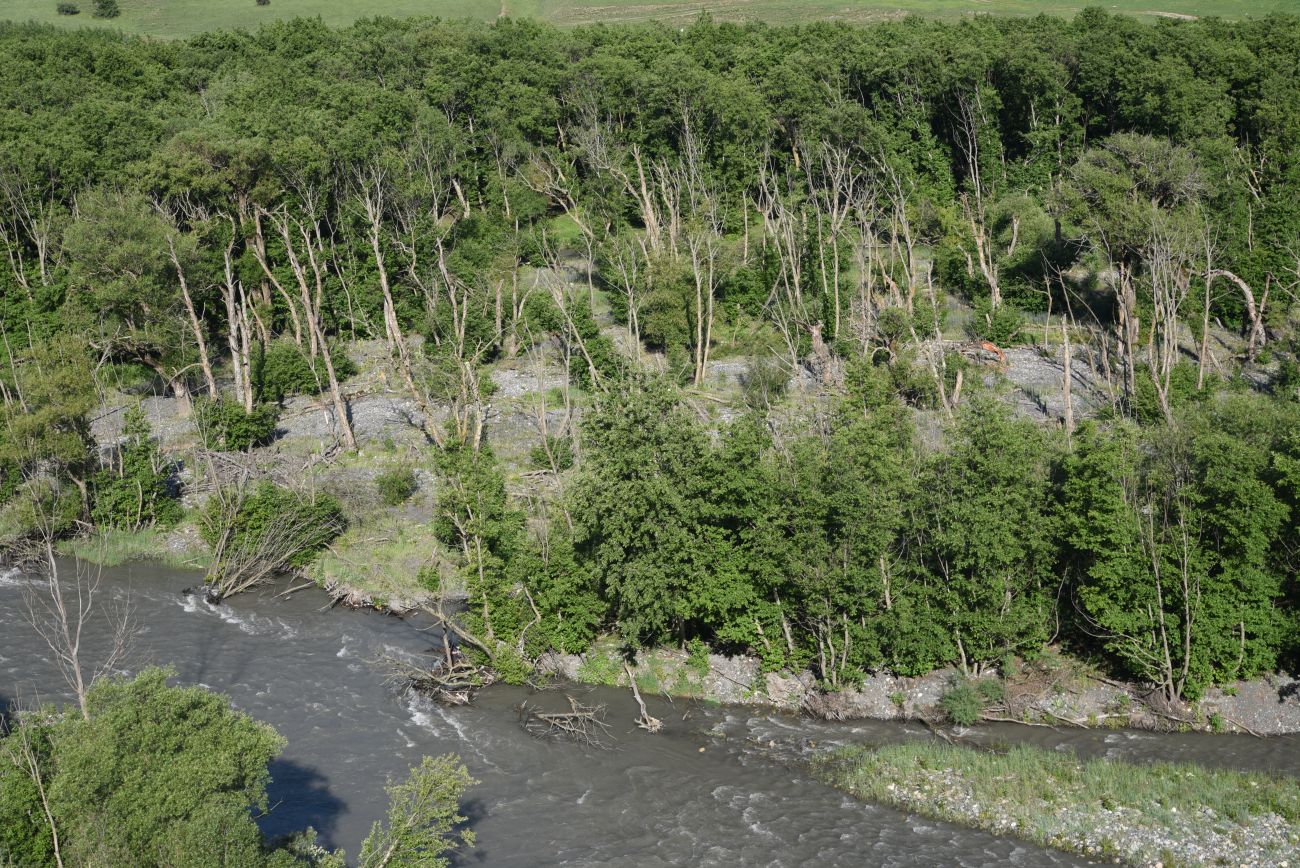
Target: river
(719, 786)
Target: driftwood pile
(453, 682)
(583, 724)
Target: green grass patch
(381, 560)
(111, 548)
(1137, 812)
(600, 666)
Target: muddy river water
(719, 786)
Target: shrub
(68, 9)
(599, 667)
(106, 9)
(962, 703)
(397, 485)
(697, 659)
(269, 507)
(282, 370)
(1000, 326)
(764, 382)
(135, 490)
(225, 426)
(557, 449)
(263, 2)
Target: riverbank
(1052, 690)
(1156, 814)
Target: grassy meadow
(177, 18)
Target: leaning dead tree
(243, 556)
(583, 724)
(644, 720)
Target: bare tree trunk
(288, 227)
(372, 201)
(239, 327)
(1066, 379)
(195, 325)
(23, 753)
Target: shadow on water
(473, 810)
(300, 797)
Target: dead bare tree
(309, 258)
(644, 720)
(372, 194)
(29, 217)
(626, 265)
(704, 243)
(1169, 255)
(972, 119)
(61, 610)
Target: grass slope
(174, 18)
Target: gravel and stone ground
(1146, 815)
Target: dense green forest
(230, 213)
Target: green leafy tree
(45, 441)
(155, 775)
(1175, 533)
(637, 510)
(423, 818)
(123, 285)
(984, 536)
(477, 522)
(846, 508)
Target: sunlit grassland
(176, 18)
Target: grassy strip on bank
(110, 547)
(1143, 814)
(382, 562)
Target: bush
(106, 9)
(282, 370)
(963, 703)
(68, 9)
(135, 490)
(43, 503)
(558, 449)
(270, 506)
(1000, 326)
(697, 659)
(397, 485)
(263, 2)
(764, 382)
(225, 426)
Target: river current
(718, 786)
